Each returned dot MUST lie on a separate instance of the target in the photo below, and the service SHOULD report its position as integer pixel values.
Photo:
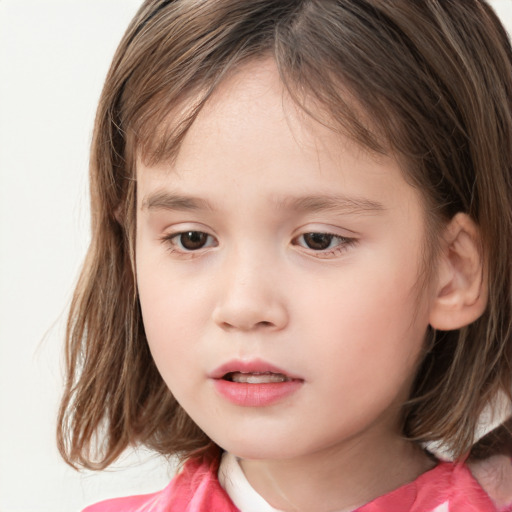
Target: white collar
(234, 482)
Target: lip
(254, 395)
(252, 366)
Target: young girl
(300, 278)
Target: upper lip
(251, 366)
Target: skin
(349, 320)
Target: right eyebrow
(166, 201)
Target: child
(300, 271)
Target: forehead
(250, 133)
(156, 133)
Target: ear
(460, 296)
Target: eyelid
(328, 229)
(168, 239)
(346, 242)
(343, 239)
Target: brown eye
(318, 241)
(193, 240)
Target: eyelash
(175, 243)
(343, 243)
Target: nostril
(227, 326)
(264, 324)
(242, 315)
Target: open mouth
(256, 377)
(254, 383)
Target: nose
(249, 296)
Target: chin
(260, 453)
(262, 448)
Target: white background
(54, 55)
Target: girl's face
(278, 268)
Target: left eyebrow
(167, 201)
(319, 203)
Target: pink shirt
(448, 487)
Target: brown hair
(435, 79)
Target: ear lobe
(461, 287)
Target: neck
(346, 477)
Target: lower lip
(256, 395)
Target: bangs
(162, 122)
(171, 81)
(157, 135)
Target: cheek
(370, 322)
(171, 313)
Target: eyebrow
(341, 203)
(168, 201)
(162, 200)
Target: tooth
(258, 378)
